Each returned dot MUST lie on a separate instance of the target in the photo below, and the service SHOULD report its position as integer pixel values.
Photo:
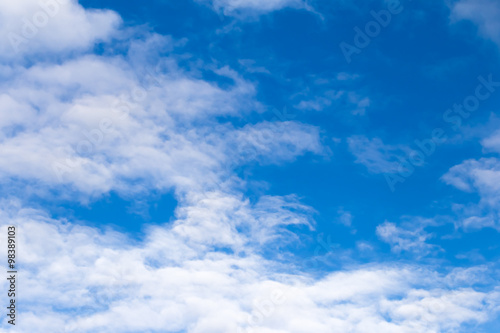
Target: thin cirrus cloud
(410, 236)
(375, 155)
(232, 7)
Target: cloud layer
(78, 126)
(103, 285)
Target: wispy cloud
(235, 7)
(375, 155)
(410, 236)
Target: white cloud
(260, 141)
(318, 103)
(481, 176)
(52, 26)
(345, 217)
(98, 127)
(410, 236)
(477, 176)
(86, 125)
(484, 13)
(492, 143)
(375, 155)
(318, 95)
(231, 7)
(84, 280)
(111, 130)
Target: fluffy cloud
(96, 126)
(78, 279)
(52, 26)
(477, 175)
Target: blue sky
(252, 165)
